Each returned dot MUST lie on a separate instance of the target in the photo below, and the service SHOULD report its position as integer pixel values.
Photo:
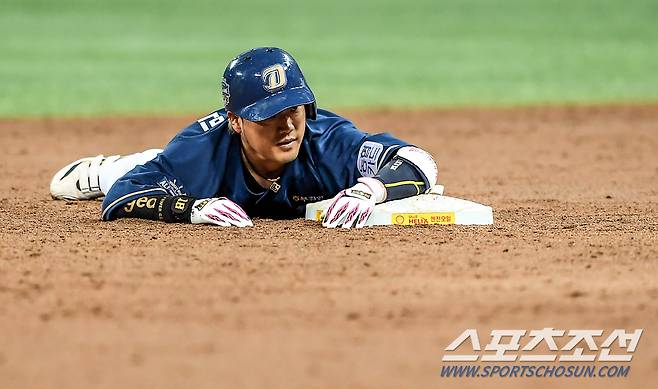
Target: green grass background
(85, 57)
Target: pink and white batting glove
(220, 211)
(352, 207)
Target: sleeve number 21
(210, 121)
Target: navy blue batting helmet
(264, 81)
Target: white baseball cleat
(79, 180)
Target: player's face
(272, 143)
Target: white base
(431, 208)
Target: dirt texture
(288, 304)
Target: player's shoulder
(214, 123)
(209, 130)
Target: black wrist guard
(176, 209)
(171, 209)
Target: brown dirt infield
(288, 304)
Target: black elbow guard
(411, 172)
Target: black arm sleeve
(402, 179)
(171, 209)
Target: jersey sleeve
(345, 153)
(191, 164)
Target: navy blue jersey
(204, 160)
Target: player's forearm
(184, 209)
(170, 209)
(412, 171)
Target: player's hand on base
(219, 211)
(352, 207)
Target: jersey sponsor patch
(171, 186)
(368, 156)
(307, 199)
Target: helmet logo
(226, 93)
(274, 78)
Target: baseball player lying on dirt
(268, 153)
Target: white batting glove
(220, 211)
(353, 206)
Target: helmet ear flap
(311, 111)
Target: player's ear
(235, 122)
